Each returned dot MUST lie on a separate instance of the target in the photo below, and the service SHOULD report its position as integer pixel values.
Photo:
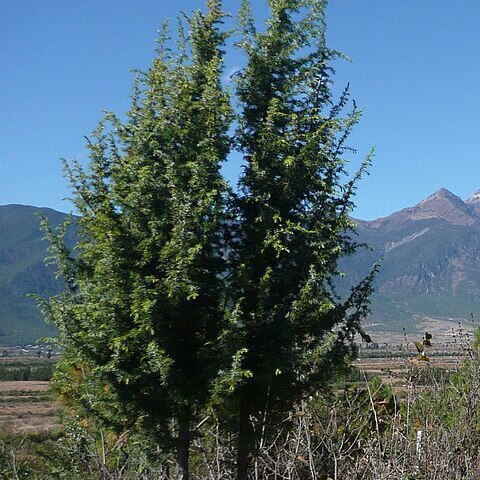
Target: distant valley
(430, 270)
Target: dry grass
(21, 386)
(26, 407)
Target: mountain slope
(431, 261)
(430, 267)
(22, 272)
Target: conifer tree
(145, 303)
(169, 299)
(292, 218)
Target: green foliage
(25, 372)
(182, 293)
(292, 213)
(140, 321)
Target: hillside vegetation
(23, 272)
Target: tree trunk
(244, 439)
(183, 445)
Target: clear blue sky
(415, 68)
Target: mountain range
(430, 266)
(430, 262)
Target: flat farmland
(389, 368)
(26, 404)
(27, 407)
(408, 374)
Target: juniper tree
(145, 301)
(163, 292)
(292, 220)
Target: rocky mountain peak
(443, 204)
(447, 206)
(440, 196)
(431, 260)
